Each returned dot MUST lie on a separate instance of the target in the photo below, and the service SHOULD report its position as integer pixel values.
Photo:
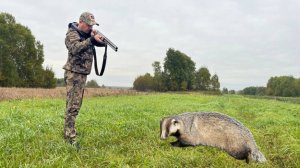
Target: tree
(143, 83)
(8, 70)
(92, 84)
(158, 81)
(178, 74)
(231, 92)
(249, 90)
(297, 86)
(253, 90)
(157, 68)
(224, 91)
(202, 79)
(215, 84)
(21, 56)
(60, 82)
(261, 91)
(47, 80)
(282, 86)
(179, 70)
(1, 76)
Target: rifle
(107, 42)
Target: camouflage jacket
(81, 50)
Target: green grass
(123, 131)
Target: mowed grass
(123, 131)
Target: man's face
(85, 27)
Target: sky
(243, 42)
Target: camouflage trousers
(75, 84)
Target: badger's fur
(212, 129)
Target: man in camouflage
(80, 41)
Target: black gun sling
(103, 62)
(82, 36)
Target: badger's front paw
(175, 144)
(178, 144)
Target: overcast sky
(244, 42)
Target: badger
(211, 129)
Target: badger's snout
(163, 136)
(163, 129)
(163, 132)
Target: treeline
(21, 57)
(178, 74)
(286, 86)
(60, 82)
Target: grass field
(123, 131)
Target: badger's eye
(175, 122)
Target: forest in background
(22, 56)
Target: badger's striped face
(168, 126)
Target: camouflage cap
(88, 18)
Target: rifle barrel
(107, 41)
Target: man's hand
(97, 36)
